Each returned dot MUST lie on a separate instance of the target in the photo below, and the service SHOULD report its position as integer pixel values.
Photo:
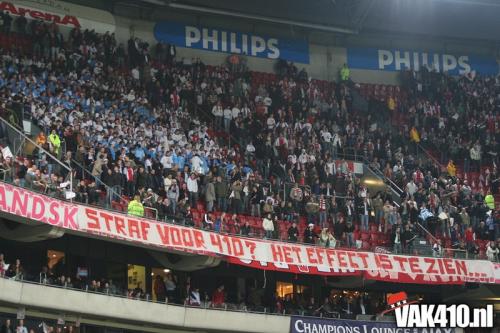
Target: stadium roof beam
(309, 25)
(361, 13)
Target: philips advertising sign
(219, 40)
(399, 60)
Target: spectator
(20, 327)
(159, 288)
(492, 251)
(268, 226)
(396, 240)
(135, 207)
(437, 250)
(293, 233)
(219, 298)
(6, 327)
(245, 229)
(3, 266)
(309, 234)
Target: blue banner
(318, 325)
(399, 60)
(221, 40)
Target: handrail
(97, 179)
(54, 158)
(429, 156)
(427, 232)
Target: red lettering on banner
(350, 255)
(199, 241)
(68, 19)
(461, 267)
(251, 246)
(163, 232)
(215, 240)
(364, 259)
(310, 255)
(36, 14)
(287, 251)
(9, 7)
(384, 261)
(175, 236)
(432, 263)
(227, 241)
(120, 226)
(38, 209)
(19, 203)
(441, 266)
(330, 258)
(341, 257)
(94, 221)
(133, 229)
(237, 247)
(277, 253)
(319, 253)
(414, 265)
(297, 252)
(401, 261)
(3, 202)
(448, 265)
(54, 220)
(187, 238)
(69, 220)
(107, 219)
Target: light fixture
(152, 274)
(166, 270)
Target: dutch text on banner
(317, 325)
(262, 254)
(223, 40)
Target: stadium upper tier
(236, 151)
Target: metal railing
(54, 158)
(183, 302)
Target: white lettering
(449, 63)
(385, 58)
(416, 61)
(402, 60)
(212, 39)
(464, 66)
(192, 35)
(223, 41)
(233, 48)
(244, 44)
(258, 45)
(272, 45)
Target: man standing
(192, 187)
(221, 193)
(135, 207)
(293, 233)
(407, 239)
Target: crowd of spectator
(168, 288)
(173, 136)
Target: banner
(400, 60)
(221, 40)
(317, 325)
(61, 13)
(257, 253)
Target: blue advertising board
(222, 40)
(319, 325)
(398, 60)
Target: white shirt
(236, 112)
(192, 184)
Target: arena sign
(222, 40)
(83, 220)
(61, 13)
(317, 325)
(400, 60)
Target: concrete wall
(90, 306)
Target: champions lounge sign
(61, 13)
